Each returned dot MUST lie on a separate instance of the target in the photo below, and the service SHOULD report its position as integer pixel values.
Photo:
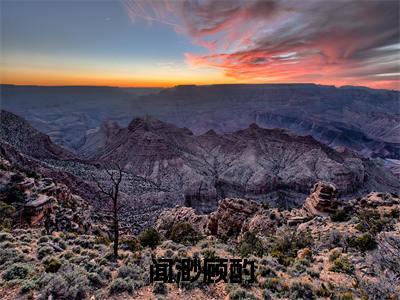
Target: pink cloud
(335, 42)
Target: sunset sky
(166, 43)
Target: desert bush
(95, 280)
(250, 244)
(334, 255)
(363, 242)
(51, 264)
(14, 195)
(76, 249)
(7, 245)
(345, 296)
(10, 256)
(85, 241)
(160, 288)
(44, 250)
(28, 285)
(6, 215)
(342, 265)
(285, 245)
(17, 271)
(130, 243)
(67, 254)
(6, 237)
(149, 238)
(300, 290)
(340, 215)
(241, 294)
(102, 240)
(183, 233)
(276, 286)
(171, 245)
(102, 271)
(69, 283)
(44, 239)
(16, 178)
(265, 271)
(208, 253)
(120, 285)
(132, 272)
(371, 221)
(169, 253)
(31, 173)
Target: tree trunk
(116, 230)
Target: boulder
(180, 214)
(228, 220)
(322, 200)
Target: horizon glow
(166, 43)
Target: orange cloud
(335, 42)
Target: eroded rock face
(180, 214)
(264, 222)
(322, 199)
(228, 220)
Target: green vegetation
(250, 244)
(183, 233)
(342, 265)
(340, 215)
(149, 238)
(363, 242)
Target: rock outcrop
(180, 214)
(228, 220)
(267, 165)
(322, 200)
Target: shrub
(363, 242)
(300, 290)
(149, 238)
(14, 195)
(241, 294)
(69, 283)
(17, 271)
(28, 285)
(45, 251)
(160, 288)
(371, 221)
(183, 233)
(51, 264)
(10, 256)
(342, 265)
(16, 178)
(334, 255)
(76, 249)
(6, 214)
(208, 253)
(102, 240)
(287, 243)
(130, 272)
(340, 215)
(345, 296)
(250, 244)
(6, 237)
(95, 280)
(44, 239)
(119, 286)
(131, 244)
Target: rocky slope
(349, 253)
(362, 119)
(28, 140)
(268, 165)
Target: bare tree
(111, 192)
